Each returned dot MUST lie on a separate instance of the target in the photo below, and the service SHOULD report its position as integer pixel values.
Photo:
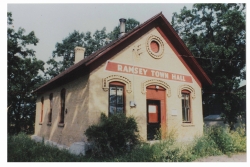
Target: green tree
(64, 51)
(23, 77)
(130, 25)
(216, 35)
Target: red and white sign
(130, 69)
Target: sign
(174, 112)
(151, 109)
(142, 71)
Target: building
(148, 73)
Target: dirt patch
(241, 157)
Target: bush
(22, 149)
(222, 138)
(114, 135)
(205, 146)
(239, 139)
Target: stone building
(148, 73)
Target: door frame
(155, 92)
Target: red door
(156, 111)
(153, 113)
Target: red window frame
(186, 106)
(114, 105)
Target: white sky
(53, 22)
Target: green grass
(215, 141)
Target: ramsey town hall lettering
(130, 69)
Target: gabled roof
(86, 65)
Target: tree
(130, 25)
(216, 35)
(23, 77)
(65, 50)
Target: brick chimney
(122, 26)
(79, 54)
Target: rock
(78, 148)
(37, 138)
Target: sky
(53, 22)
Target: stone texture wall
(86, 98)
(75, 120)
(168, 62)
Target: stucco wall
(87, 98)
(169, 62)
(75, 120)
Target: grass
(215, 141)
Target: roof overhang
(94, 60)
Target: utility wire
(212, 58)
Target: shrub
(239, 139)
(205, 146)
(222, 138)
(114, 135)
(22, 149)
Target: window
(41, 117)
(63, 91)
(50, 110)
(154, 46)
(116, 98)
(185, 99)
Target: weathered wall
(76, 118)
(87, 98)
(169, 62)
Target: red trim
(185, 91)
(122, 42)
(180, 41)
(180, 58)
(159, 94)
(123, 38)
(116, 83)
(147, 72)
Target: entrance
(153, 119)
(156, 112)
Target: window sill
(40, 123)
(61, 125)
(187, 124)
(49, 124)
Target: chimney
(79, 54)
(122, 26)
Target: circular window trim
(156, 55)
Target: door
(153, 119)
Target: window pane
(119, 95)
(112, 109)
(112, 90)
(119, 109)
(116, 99)
(187, 112)
(185, 107)
(112, 97)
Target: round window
(155, 47)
